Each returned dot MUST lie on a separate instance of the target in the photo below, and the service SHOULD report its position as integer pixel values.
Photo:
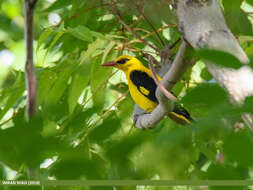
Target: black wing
(143, 80)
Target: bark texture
(203, 26)
(31, 82)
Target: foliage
(83, 129)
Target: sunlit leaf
(43, 37)
(80, 80)
(14, 93)
(82, 33)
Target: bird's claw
(137, 115)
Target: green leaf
(206, 75)
(220, 58)
(233, 148)
(107, 51)
(251, 61)
(99, 75)
(78, 122)
(80, 80)
(49, 129)
(91, 51)
(75, 162)
(58, 5)
(14, 94)
(60, 84)
(81, 32)
(205, 95)
(125, 109)
(46, 79)
(98, 82)
(248, 105)
(76, 6)
(178, 87)
(43, 37)
(221, 172)
(244, 39)
(109, 126)
(98, 35)
(237, 20)
(29, 143)
(249, 2)
(52, 44)
(2, 172)
(123, 147)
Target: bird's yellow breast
(142, 101)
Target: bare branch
(172, 45)
(169, 95)
(150, 24)
(178, 68)
(33, 3)
(117, 13)
(31, 82)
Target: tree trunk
(203, 26)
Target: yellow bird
(142, 87)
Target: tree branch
(117, 13)
(31, 82)
(203, 26)
(178, 68)
(162, 88)
(138, 7)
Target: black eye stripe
(122, 61)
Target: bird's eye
(122, 61)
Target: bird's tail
(180, 115)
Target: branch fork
(165, 98)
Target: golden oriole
(142, 87)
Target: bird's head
(124, 62)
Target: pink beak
(109, 64)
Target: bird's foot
(137, 114)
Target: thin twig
(172, 45)
(151, 33)
(158, 83)
(9, 119)
(93, 126)
(80, 13)
(117, 13)
(150, 24)
(141, 29)
(249, 13)
(31, 82)
(148, 56)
